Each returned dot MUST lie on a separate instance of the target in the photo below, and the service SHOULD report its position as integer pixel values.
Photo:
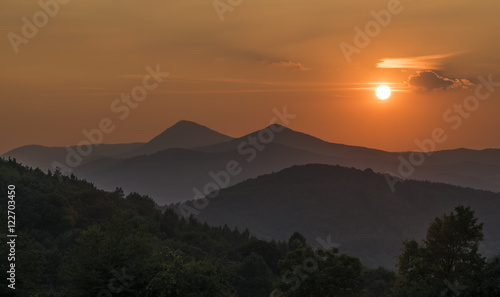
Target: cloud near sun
(426, 79)
(430, 62)
(429, 81)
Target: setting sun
(383, 92)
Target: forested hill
(75, 240)
(355, 208)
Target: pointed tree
(447, 261)
(297, 241)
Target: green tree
(377, 282)
(447, 261)
(487, 282)
(165, 279)
(114, 257)
(29, 267)
(256, 277)
(296, 241)
(173, 278)
(202, 279)
(318, 273)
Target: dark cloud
(429, 80)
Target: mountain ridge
(472, 168)
(355, 208)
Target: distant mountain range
(346, 206)
(38, 156)
(181, 159)
(184, 134)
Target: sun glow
(383, 92)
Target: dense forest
(355, 208)
(76, 240)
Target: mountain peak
(183, 129)
(186, 123)
(277, 127)
(183, 134)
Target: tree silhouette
(297, 241)
(447, 261)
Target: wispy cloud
(431, 62)
(290, 65)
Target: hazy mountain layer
(354, 208)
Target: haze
(229, 74)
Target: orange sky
(230, 74)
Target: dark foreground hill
(353, 208)
(74, 240)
